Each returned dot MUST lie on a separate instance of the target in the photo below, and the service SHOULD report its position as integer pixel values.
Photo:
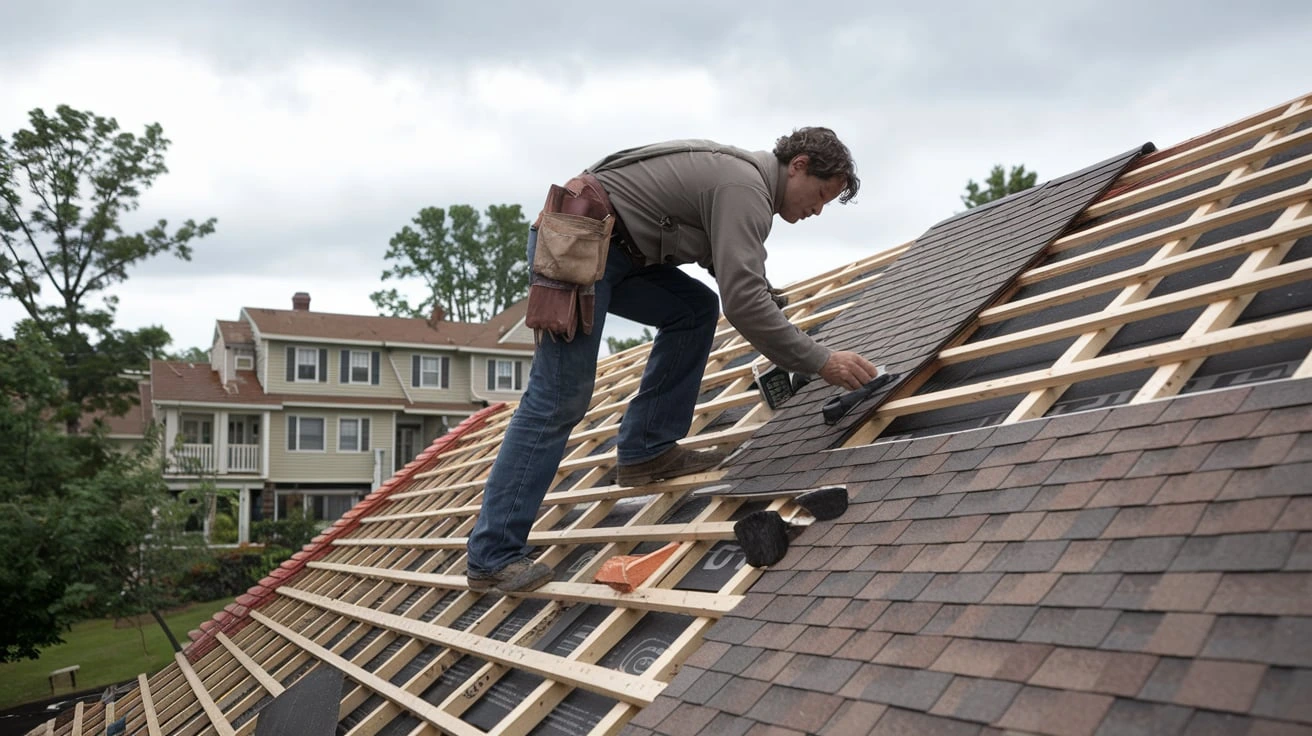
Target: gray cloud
(316, 130)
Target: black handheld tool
(838, 407)
(777, 386)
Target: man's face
(806, 195)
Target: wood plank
(1210, 254)
(1228, 216)
(601, 680)
(1239, 285)
(1229, 188)
(406, 700)
(1169, 379)
(1287, 327)
(1193, 176)
(1292, 113)
(560, 498)
(77, 719)
(148, 704)
(690, 603)
(217, 719)
(270, 685)
(654, 532)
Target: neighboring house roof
(133, 423)
(1084, 511)
(236, 333)
(196, 383)
(311, 325)
(175, 381)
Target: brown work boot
(520, 576)
(672, 463)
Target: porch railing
(243, 458)
(194, 458)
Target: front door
(407, 444)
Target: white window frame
(368, 366)
(313, 364)
(246, 356)
(300, 419)
(359, 425)
(510, 376)
(424, 371)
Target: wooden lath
(1222, 301)
(405, 562)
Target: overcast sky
(314, 131)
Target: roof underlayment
(1083, 509)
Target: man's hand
(848, 370)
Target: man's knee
(574, 400)
(705, 305)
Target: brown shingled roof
(133, 423)
(197, 382)
(177, 381)
(236, 333)
(326, 326)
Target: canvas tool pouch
(573, 235)
(574, 232)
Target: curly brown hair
(827, 157)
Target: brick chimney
(435, 318)
(301, 301)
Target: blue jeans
(683, 310)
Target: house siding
(456, 391)
(330, 465)
(521, 333)
(478, 368)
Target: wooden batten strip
(1151, 270)
(217, 719)
(1289, 273)
(270, 685)
(1190, 228)
(148, 705)
(559, 498)
(686, 602)
(1293, 113)
(1287, 327)
(1195, 175)
(1228, 188)
(601, 680)
(406, 700)
(655, 532)
(77, 719)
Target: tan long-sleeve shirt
(713, 208)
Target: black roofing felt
(923, 300)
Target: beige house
(304, 409)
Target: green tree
(473, 266)
(998, 185)
(619, 344)
(66, 183)
(73, 512)
(190, 355)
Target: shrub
(293, 532)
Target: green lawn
(107, 655)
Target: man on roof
(678, 202)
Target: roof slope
(180, 381)
(236, 333)
(950, 273)
(1146, 569)
(303, 323)
(1043, 539)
